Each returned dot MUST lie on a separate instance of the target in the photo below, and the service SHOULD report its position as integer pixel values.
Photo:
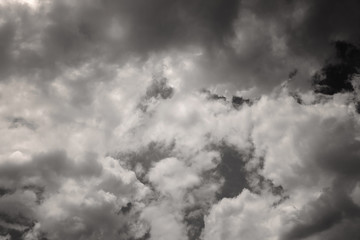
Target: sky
(179, 119)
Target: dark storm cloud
(273, 39)
(337, 74)
(66, 33)
(242, 42)
(159, 24)
(310, 26)
(324, 22)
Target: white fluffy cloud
(248, 216)
(305, 149)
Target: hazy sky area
(179, 120)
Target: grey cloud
(127, 208)
(47, 170)
(275, 38)
(142, 160)
(337, 149)
(331, 209)
(309, 26)
(158, 89)
(324, 22)
(336, 155)
(339, 71)
(31, 182)
(257, 55)
(42, 182)
(243, 43)
(212, 96)
(63, 33)
(194, 218)
(346, 229)
(16, 122)
(7, 32)
(16, 214)
(158, 24)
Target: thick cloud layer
(229, 43)
(179, 120)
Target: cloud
(246, 216)
(172, 120)
(76, 201)
(238, 44)
(41, 42)
(165, 223)
(193, 155)
(172, 177)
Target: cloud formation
(179, 120)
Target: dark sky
(179, 119)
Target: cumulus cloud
(234, 218)
(285, 168)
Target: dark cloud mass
(242, 42)
(67, 33)
(179, 119)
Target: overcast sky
(179, 119)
